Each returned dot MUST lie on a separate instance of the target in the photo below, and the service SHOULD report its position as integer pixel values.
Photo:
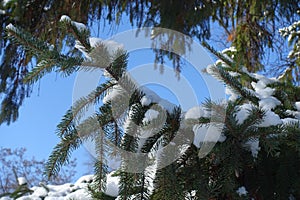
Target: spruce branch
(82, 34)
(232, 64)
(61, 153)
(234, 84)
(39, 71)
(80, 106)
(49, 58)
(26, 40)
(100, 166)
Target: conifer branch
(232, 64)
(61, 153)
(34, 45)
(80, 106)
(100, 166)
(49, 57)
(82, 34)
(232, 82)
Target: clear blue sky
(35, 128)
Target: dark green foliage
(267, 171)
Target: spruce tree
(256, 157)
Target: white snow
(242, 191)
(65, 18)
(39, 192)
(145, 101)
(270, 119)
(210, 69)
(152, 97)
(243, 112)
(79, 26)
(22, 181)
(68, 191)
(111, 46)
(11, 27)
(253, 146)
(112, 185)
(297, 104)
(269, 103)
(290, 121)
(206, 134)
(150, 115)
(196, 112)
(231, 93)
(112, 93)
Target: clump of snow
(196, 112)
(241, 191)
(243, 112)
(145, 101)
(152, 97)
(111, 46)
(150, 115)
(290, 121)
(269, 103)
(207, 134)
(112, 185)
(39, 192)
(231, 93)
(80, 26)
(210, 69)
(22, 181)
(65, 18)
(253, 146)
(112, 93)
(11, 27)
(270, 119)
(84, 180)
(234, 74)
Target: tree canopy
(250, 25)
(256, 154)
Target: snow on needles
(79, 26)
(68, 191)
(263, 90)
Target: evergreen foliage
(259, 144)
(250, 26)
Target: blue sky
(52, 96)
